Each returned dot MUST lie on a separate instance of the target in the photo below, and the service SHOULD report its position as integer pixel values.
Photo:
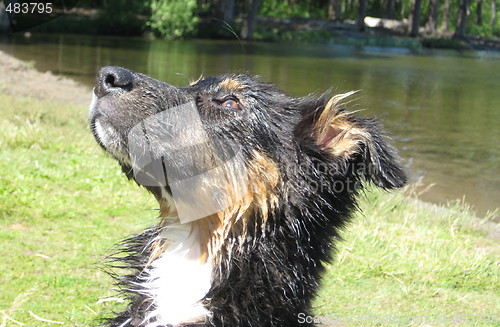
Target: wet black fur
(276, 272)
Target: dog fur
(292, 168)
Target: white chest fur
(178, 279)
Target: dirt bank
(18, 78)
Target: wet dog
(253, 187)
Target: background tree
(446, 16)
(226, 18)
(479, 12)
(432, 16)
(362, 15)
(462, 19)
(493, 21)
(249, 22)
(389, 9)
(415, 17)
(4, 19)
(173, 18)
(334, 8)
(226, 10)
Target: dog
(253, 188)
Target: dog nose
(112, 78)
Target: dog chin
(111, 141)
(106, 135)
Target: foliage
(442, 43)
(293, 9)
(173, 18)
(110, 17)
(349, 10)
(121, 17)
(181, 18)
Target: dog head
(232, 139)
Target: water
(442, 108)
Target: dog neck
(179, 273)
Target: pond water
(442, 108)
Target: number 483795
(29, 8)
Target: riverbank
(64, 205)
(20, 79)
(378, 33)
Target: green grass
(63, 204)
(415, 265)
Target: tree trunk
(249, 22)
(362, 15)
(479, 12)
(334, 9)
(4, 19)
(389, 9)
(415, 17)
(446, 15)
(462, 19)
(493, 20)
(227, 10)
(433, 16)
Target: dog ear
(351, 139)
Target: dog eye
(231, 104)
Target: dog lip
(92, 123)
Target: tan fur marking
(231, 84)
(333, 107)
(193, 82)
(169, 215)
(261, 198)
(335, 131)
(264, 177)
(166, 209)
(210, 235)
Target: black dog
(253, 187)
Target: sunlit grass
(63, 204)
(415, 264)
